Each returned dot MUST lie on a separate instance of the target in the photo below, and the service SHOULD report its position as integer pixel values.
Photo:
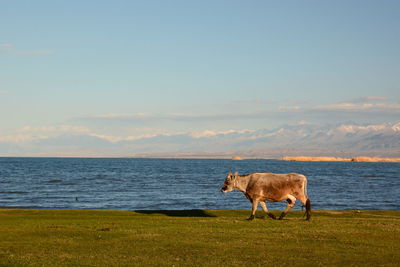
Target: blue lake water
(175, 184)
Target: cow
(261, 187)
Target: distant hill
(342, 140)
(346, 140)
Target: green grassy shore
(197, 238)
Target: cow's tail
(308, 209)
(308, 202)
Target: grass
(197, 238)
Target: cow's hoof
(282, 215)
(250, 218)
(272, 216)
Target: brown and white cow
(261, 187)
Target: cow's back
(275, 187)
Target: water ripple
(156, 184)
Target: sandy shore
(354, 159)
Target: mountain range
(344, 140)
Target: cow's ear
(235, 175)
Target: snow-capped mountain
(328, 140)
(348, 139)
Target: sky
(132, 69)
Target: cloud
(10, 49)
(303, 122)
(31, 133)
(367, 99)
(363, 110)
(21, 138)
(177, 117)
(254, 101)
(289, 108)
(28, 134)
(192, 134)
(109, 138)
(31, 53)
(7, 45)
(54, 129)
(365, 104)
(210, 133)
(272, 116)
(366, 107)
(116, 139)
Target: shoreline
(353, 159)
(178, 212)
(234, 158)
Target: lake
(175, 184)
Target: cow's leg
(307, 204)
(254, 204)
(291, 200)
(264, 207)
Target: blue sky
(137, 68)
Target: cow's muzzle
(224, 188)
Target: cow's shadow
(178, 213)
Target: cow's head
(229, 182)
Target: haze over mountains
(199, 79)
(344, 140)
